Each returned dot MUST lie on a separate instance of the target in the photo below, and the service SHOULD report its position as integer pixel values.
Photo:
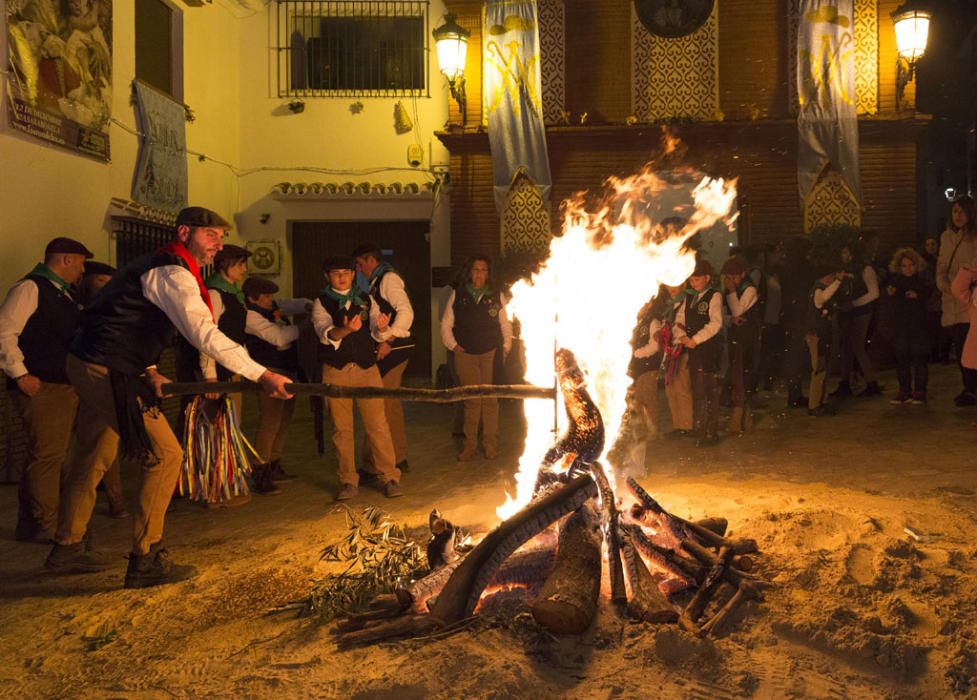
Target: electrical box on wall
(415, 155)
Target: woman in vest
(958, 247)
(345, 322)
(855, 320)
(646, 358)
(744, 334)
(830, 290)
(473, 327)
(698, 323)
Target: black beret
(67, 246)
(93, 267)
(256, 286)
(231, 252)
(200, 216)
(339, 262)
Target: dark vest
(477, 327)
(48, 332)
(264, 353)
(121, 329)
(358, 347)
(231, 324)
(748, 331)
(708, 355)
(640, 337)
(396, 357)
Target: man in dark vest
(37, 322)
(393, 352)
(346, 324)
(271, 341)
(112, 366)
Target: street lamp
(451, 40)
(912, 24)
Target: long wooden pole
(460, 393)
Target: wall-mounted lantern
(912, 23)
(451, 40)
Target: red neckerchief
(179, 250)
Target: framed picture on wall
(265, 257)
(673, 18)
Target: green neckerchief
(218, 282)
(42, 270)
(382, 267)
(352, 297)
(747, 282)
(672, 303)
(477, 292)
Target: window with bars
(352, 48)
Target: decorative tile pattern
(552, 66)
(675, 78)
(831, 202)
(525, 217)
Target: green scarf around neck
(351, 297)
(42, 270)
(477, 292)
(218, 282)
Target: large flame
(603, 268)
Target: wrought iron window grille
(353, 48)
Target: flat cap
(200, 216)
(736, 265)
(93, 267)
(231, 252)
(339, 262)
(67, 246)
(702, 267)
(256, 286)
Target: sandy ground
(861, 609)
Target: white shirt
(448, 325)
(279, 335)
(175, 291)
(651, 347)
(392, 289)
(711, 328)
(872, 283)
(323, 323)
(739, 304)
(16, 311)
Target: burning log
(612, 534)
(717, 525)
(716, 627)
(693, 611)
(567, 603)
(647, 602)
(420, 594)
(455, 394)
(461, 593)
(525, 568)
(664, 558)
(730, 573)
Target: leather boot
(155, 569)
(263, 484)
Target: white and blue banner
(160, 179)
(512, 95)
(827, 122)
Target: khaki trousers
(478, 369)
(96, 444)
(49, 416)
(679, 395)
(274, 417)
(646, 399)
(374, 423)
(394, 411)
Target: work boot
(279, 474)
(75, 558)
(392, 489)
(155, 569)
(261, 475)
(347, 492)
(467, 454)
(843, 391)
(735, 421)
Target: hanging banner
(512, 95)
(59, 72)
(827, 123)
(160, 179)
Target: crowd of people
(80, 342)
(801, 311)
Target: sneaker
(843, 391)
(403, 466)
(919, 398)
(871, 389)
(901, 398)
(347, 492)
(155, 569)
(392, 489)
(277, 473)
(466, 454)
(75, 558)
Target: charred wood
(647, 602)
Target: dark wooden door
(405, 244)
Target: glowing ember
(609, 260)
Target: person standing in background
(958, 247)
